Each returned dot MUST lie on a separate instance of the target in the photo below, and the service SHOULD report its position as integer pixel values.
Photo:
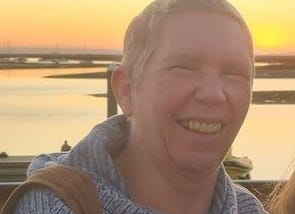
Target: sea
(38, 114)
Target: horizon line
(89, 50)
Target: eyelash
(179, 67)
(235, 74)
(183, 68)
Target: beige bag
(73, 186)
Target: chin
(194, 163)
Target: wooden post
(111, 101)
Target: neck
(149, 183)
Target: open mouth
(201, 127)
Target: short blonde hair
(139, 38)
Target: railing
(5, 189)
(261, 189)
(112, 108)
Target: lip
(203, 120)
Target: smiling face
(194, 93)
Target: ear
(122, 88)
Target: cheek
(167, 94)
(240, 100)
(174, 89)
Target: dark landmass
(91, 75)
(275, 73)
(276, 70)
(275, 58)
(19, 61)
(259, 74)
(50, 56)
(40, 66)
(118, 57)
(258, 97)
(98, 95)
(269, 71)
(276, 66)
(273, 97)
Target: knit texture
(93, 155)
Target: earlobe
(121, 86)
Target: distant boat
(59, 61)
(6, 60)
(86, 62)
(21, 60)
(45, 61)
(52, 61)
(13, 60)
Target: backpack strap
(73, 186)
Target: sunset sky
(101, 24)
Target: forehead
(206, 34)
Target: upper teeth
(200, 126)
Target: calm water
(38, 114)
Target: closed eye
(184, 68)
(180, 68)
(237, 75)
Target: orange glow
(270, 37)
(51, 23)
(101, 24)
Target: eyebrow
(236, 60)
(181, 57)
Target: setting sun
(270, 37)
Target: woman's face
(194, 92)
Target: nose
(209, 90)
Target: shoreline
(286, 97)
(273, 97)
(89, 75)
(260, 74)
(286, 70)
(267, 72)
(8, 66)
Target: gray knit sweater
(93, 155)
